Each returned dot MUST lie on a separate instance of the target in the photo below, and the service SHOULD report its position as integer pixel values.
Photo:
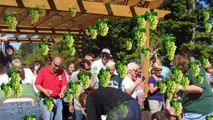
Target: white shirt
(4, 79)
(28, 76)
(128, 83)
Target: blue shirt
(157, 95)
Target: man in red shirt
(51, 82)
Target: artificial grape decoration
(84, 78)
(48, 102)
(168, 42)
(185, 80)
(43, 46)
(35, 13)
(146, 52)
(72, 11)
(30, 117)
(141, 22)
(177, 73)
(121, 68)
(205, 62)
(10, 19)
(102, 27)
(162, 86)
(152, 19)
(104, 76)
(200, 78)
(177, 105)
(69, 41)
(128, 44)
(208, 26)
(6, 89)
(139, 35)
(74, 88)
(123, 109)
(111, 115)
(69, 96)
(93, 32)
(194, 66)
(206, 15)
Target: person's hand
(138, 82)
(71, 108)
(48, 92)
(61, 94)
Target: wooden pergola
(58, 20)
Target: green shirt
(201, 103)
(27, 92)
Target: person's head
(56, 64)
(105, 55)
(89, 57)
(181, 59)
(84, 65)
(16, 64)
(9, 50)
(35, 66)
(71, 68)
(2, 69)
(111, 65)
(157, 68)
(160, 115)
(132, 69)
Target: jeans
(17, 110)
(56, 113)
(134, 111)
(195, 116)
(79, 115)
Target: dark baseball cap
(9, 47)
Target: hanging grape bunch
(208, 26)
(168, 42)
(102, 27)
(6, 89)
(172, 87)
(162, 86)
(194, 66)
(74, 88)
(185, 80)
(127, 43)
(84, 78)
(15, 82)
(69, 96)
(104, 76)
(177, 105)
(93, 32)
(123, 109)
(152, 19)
(121, 68)
(139, 35)
(146, 52)
(200, 78)
(111, 115)
(69, 41)
(72, 11)
(43, 46)
(30, 117)
(141, 22)
(177, 73)
(48, 102)
(205, 62)
(35, 13)
(206, 15)
(10, 19)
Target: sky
(15, 45)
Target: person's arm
(191, 89)
(131, 89)
(152, 88)
(47, 92)
(63, 89)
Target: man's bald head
(56, 64)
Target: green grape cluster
(200, 78)
(153, 21)
(205, 62)
(10, 19)
(162, 86)
(6, 89)
(68, 39)
(44, 48)
(146, 52)
(104, 76)
(74, 88)
(140, 36)
(128, 44)
(15, 82)
(84, 78)
(172, 87)
(121, 68)
(111, 115)
(208, 26)
(69, 96)
(48, 102)
(123, 109)
(102, 27)
(72, 11)
(141, 22)
(169, 95)
(176, 104)
(72, 50)
(185, 80)
(177, 73)
(194, 66)
(35, 12)
(206, 15)
(34, 15)
(209, 117)
(168, 42)
(93, 32)
(30, 117)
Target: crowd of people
(122, 99)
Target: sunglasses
(59, 66)
(158, 69)
(103, 56)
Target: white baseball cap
(105, 50)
